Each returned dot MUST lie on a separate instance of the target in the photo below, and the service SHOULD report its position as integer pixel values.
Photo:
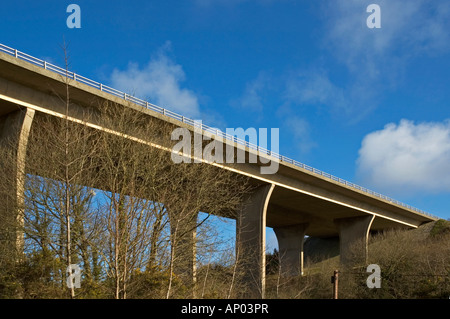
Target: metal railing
(176, 116)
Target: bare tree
(132, 216)
(59, 174)
(131, 168)
(112, 193)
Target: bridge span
(295, 201)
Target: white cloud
(301, 133)
(377, 60)
(314, 87)
(407, 29)
(407, 157)
(159, 81)
(253, 98)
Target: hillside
(319, 249)
(414, 264)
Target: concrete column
(290, 243)
(251, 242)
(14, 132)
(353, 238)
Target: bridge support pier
(353, 238)
(290, 243)
(251, 242)
(14, 132)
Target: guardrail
(173, 115)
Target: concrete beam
(353, 238)
(290, 243)
(251, 242)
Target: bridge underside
(288, 208)
(293, 201)
(292, 215)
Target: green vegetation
(441, 227)
(414, 264)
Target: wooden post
(335, 282)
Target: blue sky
(367, 105)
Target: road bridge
(296, 200)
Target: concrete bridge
(297, 200)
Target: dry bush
(414, 264)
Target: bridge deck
(302, 194)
